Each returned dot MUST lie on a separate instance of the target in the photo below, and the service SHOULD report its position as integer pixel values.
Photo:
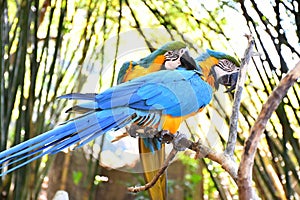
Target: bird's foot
(150, 132)
(181, 142)
(143, 132)
(165, 136)
(132, 130)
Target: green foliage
(77, 176)
(192, 177)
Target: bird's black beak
(188, 62)
(229, 80)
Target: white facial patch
(173, 58)
(172, 64)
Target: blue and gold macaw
(213, 64)
(157, 100)
(148, 100)
(170, 56)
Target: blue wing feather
(160, 91)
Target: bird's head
(219, 68)
(176, 54)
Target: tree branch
(201, 151)
(226, 162)
(157, 175)
(245, 169)
(237, 98)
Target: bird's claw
(150, 132)
(166, 136)
(180, 141)
(132, 130)
(143, 132)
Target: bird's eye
(227, 62)
(226, 65)
(181, 51)
(169, 53)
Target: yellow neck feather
(206, 66)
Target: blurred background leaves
(50, 47)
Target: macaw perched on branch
(148, 100)
(158, 100)
(216, 68)
(152, 152)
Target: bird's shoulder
(166, 78)
(132, 69)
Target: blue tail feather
(24, 152)
(83, 130)
(52, 137)
(35, 142)
(117, 123)
(79, 96)
(152, 144)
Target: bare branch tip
(256, 54)
(248, 36)
(136, 189)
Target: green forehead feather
(170, 46)
(174, 45)
(221, 55)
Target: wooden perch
(237, 98)
(166, 164)
(202, 151)
(225, 161)
(246, 191)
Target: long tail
(152, 160)
(80, 130)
